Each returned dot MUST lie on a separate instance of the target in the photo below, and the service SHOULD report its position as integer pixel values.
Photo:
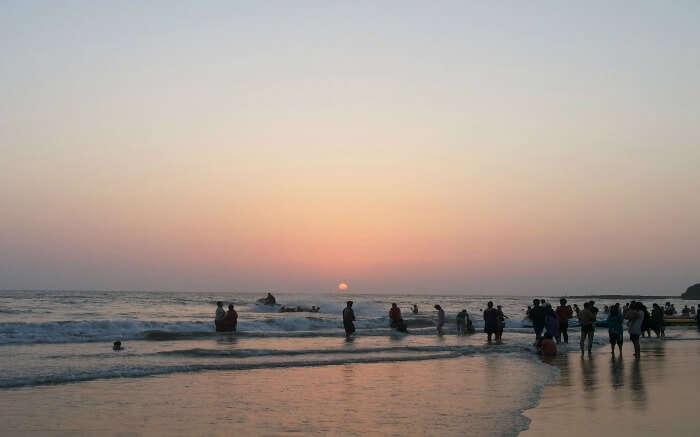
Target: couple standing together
(225, 321)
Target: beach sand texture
(656, 395)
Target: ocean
(57, 340)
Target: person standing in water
(231, 318)
(587, 319)
(636, 317)
(220, 312)
(564, 313)
(500, 326)
(615, 329)
(490, 321)
(440, 319)
(462, 322)
(414, 309)
(348, 319)
(537, 315)
(395, 319)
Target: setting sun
(342, 286)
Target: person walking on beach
(537, 315)
(615, 328)
(636, 317)
(564, 313)
(697, 317)
(440, 319)
(490, 321)
(587, 319)
(348, 319)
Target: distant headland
(693, 292)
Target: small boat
(679, 321)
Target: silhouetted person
(537, 315)
(440, 319)
(220, 312)
(348, 319)
(490, 321)
(564, 313)
(587, 319)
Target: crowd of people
(551, 325)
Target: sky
(401, 147)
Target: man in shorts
(587, 319)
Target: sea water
(52, 338)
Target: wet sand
(480, 395)
(598, 395)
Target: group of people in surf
(555, 323)
(225, 321)
(551, 325)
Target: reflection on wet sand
(617, 372)
(617, 390)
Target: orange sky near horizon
(494, 153)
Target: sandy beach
(656, 395)
(480, 395)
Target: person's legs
(635, 342)
(619, 342)
(488, 337)
(590, 340)
(565, 332)
(583, 338)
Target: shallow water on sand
(655, 395)
(478, 395)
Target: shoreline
(598, 393)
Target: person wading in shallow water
(636, 317)
(348, 319)
(587, 319)
(564, 312)
(440, 319)
(490, 321)
(615, 329)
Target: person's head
(562, 301)
(349, 304)
(586, 305)
(592, 302)
(230, 306)
(393, 305)
(536, 302)
(219, 304)
(415, 306)
(498, 307)
(615, 309)
(437, 307)
(464, 310)
(489, 304)
(269, 294)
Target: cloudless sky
(410, 146)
